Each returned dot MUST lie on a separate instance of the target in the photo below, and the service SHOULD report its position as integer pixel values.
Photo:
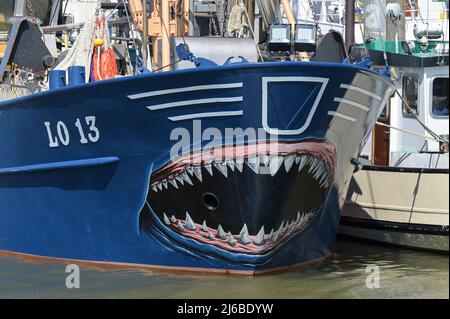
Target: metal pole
(251, 12)
(144, 33)
(290, 16)
(349, 23)
(165, 34)
(191, 18)
(186, 15)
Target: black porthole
(211, 201)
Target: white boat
(400, 195)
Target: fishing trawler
(400, 195)
(214, 164)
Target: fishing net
(104, 59)
(80, 53)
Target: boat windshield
(6, 11)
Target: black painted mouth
(248, 202)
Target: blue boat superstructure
(88, 172)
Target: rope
(405, 131)
(168, 65)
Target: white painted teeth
(230, 163)
(270, 235)
(209, 169)
(231, 240)
(180, 179)
(254, 162)
(204, 227)
(243, 235)
(190, 223)
(166, 219)
(186, 178)
(314, 165)
(222, 167)
(275, 164)
(265, 159)
(173, 182)
(260, 164)
(259, 239)
(303, 160)
(220, 233)
(198, 172)
(240, 164)
(288, 162)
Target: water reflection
(403, 274)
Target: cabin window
(411, 94)
(440, 97)
(6, 12)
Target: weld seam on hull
(59, 165)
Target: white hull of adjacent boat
(406, 207)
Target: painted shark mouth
(244, 199)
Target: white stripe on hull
(361, 90)
(205, 115)
(342, 116)
(352, 103)
(186, 89)
(196, 102)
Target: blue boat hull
(79, 165)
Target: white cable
(406, 131)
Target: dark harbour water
(403, 274)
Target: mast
(290, 16)
(396, 31)
(144, 32)
(165, 34)
(349, 23)
(251, 12)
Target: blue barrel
(77, 75)
(57, 79)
